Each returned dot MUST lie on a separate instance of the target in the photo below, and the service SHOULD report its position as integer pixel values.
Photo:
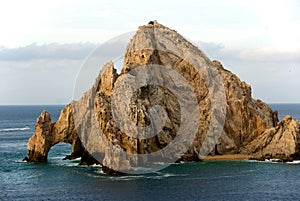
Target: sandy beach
(227, 157)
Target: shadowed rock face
(251, 127)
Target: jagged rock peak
(150, 39)
(152, 24)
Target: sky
(43, 44)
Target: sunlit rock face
(249, 126)
(48, 133)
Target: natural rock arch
(61, 150)
(48, 134)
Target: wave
(15, 129)
(152, 176)
(275, 161)
(294, 162)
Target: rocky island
(250, 127)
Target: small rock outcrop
(250, 126)
(280, 142)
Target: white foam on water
(20, 161)
(76, 159)
(72, 164)
(275, 161)
(294, 162)
(15, 129)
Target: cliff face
(246, 118)
(123, 112)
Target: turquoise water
(65, 180)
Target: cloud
(210, 48)
(271, 55)
(38, 82)
(40, 74)
(272, 73)
(47, 74)
(266, 55)
(218, 51)
(53, 51)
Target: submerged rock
(250, 126)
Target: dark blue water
(284, 109)
(65, 180)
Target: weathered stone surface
(246, 118)
(47, 134)
(250, 127)
(280, 142)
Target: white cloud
(36, 82)
(40, 74)
(46, 74)
(278, 24)
(257, 40)
(272, 73)
(47, 51)
(271, 55)
(234, 23)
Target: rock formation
(47, 134)
(250, 126)
(246, 118)
(280, 142)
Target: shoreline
(227, 157)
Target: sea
(65, 180)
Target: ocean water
(65, 180)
